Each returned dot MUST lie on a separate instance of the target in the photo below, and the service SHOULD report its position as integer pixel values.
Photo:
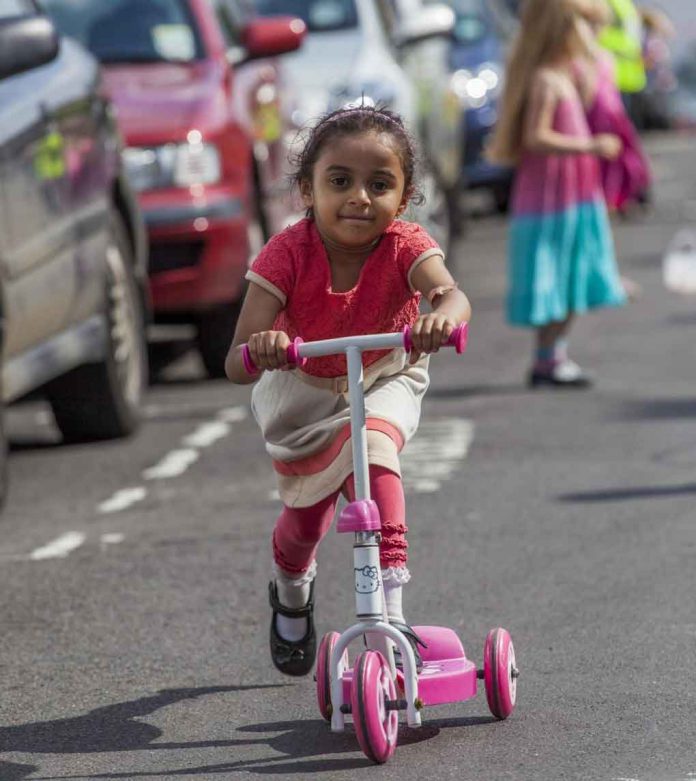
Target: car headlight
(173, 165)
(476, 88)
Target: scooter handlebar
(457, 339)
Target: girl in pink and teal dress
(350, 267)
(561, 254)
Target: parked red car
(198, 96)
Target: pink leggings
(299, 530)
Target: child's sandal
(293, 657)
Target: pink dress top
(295, 268)
(628, 177)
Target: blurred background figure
(623, 37)
(661, 81)
(625, 179)
(561, 257)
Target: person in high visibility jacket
(623, 37)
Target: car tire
(3, 457)
(215, 332)
(103, 400)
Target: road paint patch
(436, 453)
(233, 414)
(175, 463)
(59, 548)
(122, 499)
(112, 538)
(206, 434)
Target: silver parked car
(396, 53)
(73, 276)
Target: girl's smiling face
(357, 189)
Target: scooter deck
(447, 675)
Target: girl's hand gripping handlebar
(457, 339)
(293, 356)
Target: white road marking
(233, 414)
(122, 499)
(436, 453)
(112, 538)
(175, 463)
(60, 547)
(206, 434)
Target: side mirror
(272, 36)
(26, 42)
(432, 21)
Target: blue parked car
(478, 62)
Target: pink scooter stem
(457, 338)
(293, 357)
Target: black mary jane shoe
(414, 640)
(289, 656)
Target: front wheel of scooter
(323, 672)
(376, 725)
(500, 673)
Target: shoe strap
(405, 629)
(290, 612)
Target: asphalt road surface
(134, 620)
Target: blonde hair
(549, 30)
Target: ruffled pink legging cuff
(299, 530)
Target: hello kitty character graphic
(366, 579)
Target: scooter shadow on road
(110, 728)
(303, 745)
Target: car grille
(174, 255)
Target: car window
(231, 18)
(318, 15)
(129, 30)
(10, 8)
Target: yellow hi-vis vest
(622, 38)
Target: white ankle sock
(293, 592)
(393, 580)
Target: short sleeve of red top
(294, 267)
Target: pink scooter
(374, 690)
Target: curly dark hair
(354, 120)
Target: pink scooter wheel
(323, 672)
(376, 727)
(500, 673)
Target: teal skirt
(561, 263)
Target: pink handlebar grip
(294, 353)
(457, 339)
(293, 357)
(249, 366)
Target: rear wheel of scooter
(376, 726)
(323, 672)
(500, 673)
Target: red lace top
(294, 267)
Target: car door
(39, 237)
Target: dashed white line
(175, 463)
(122, 499)
(59, 548)
(206, 434)
(112, 538)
